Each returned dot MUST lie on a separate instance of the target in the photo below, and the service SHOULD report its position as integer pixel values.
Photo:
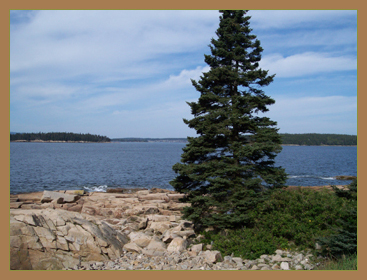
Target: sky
(126, 73)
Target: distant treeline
(315, 139)
(149, 139)
(308, 139)
(58, 136)
(129, 140)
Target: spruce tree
(229, 167)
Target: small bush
(246, 243)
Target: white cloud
(316, 106)
(308, 63)
(269, 19)
(327, 114)
(93, 41)
(150, 94)
(185, 76)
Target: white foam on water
(310, 176)
(102, 188)
(299, 176)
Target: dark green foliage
(350, 194)
(300, 215)
(319, 139)
(59, 136)
(225, 170)
(344, 241)
(288, 219)
(248, 243)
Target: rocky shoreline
(122, 230)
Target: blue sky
(126, 73)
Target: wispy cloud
(309, 63)
(91, 41)
(314, 106)
(295, 19)
(329, 114)
(185, 77)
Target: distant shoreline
(319, 145)
(52, 141)
(306, 139)
(156, 141)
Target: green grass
(347, 263)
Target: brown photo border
(172, 5)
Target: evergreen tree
(229, 168)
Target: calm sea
(96, 167)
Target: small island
(63, 137)
(318, 139)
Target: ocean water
(97, 166)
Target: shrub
(344, 240)
(300, 215)
(288, 219)
(248, 243)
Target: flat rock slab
(49, 196)
(15, 205)
(32, 197)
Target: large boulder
(56, 239)
(196, 249)
(159, 227)
(156, 245)
(140, 239)
(211, 256)
(132, 247)
(155, 248)
(177, 245)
